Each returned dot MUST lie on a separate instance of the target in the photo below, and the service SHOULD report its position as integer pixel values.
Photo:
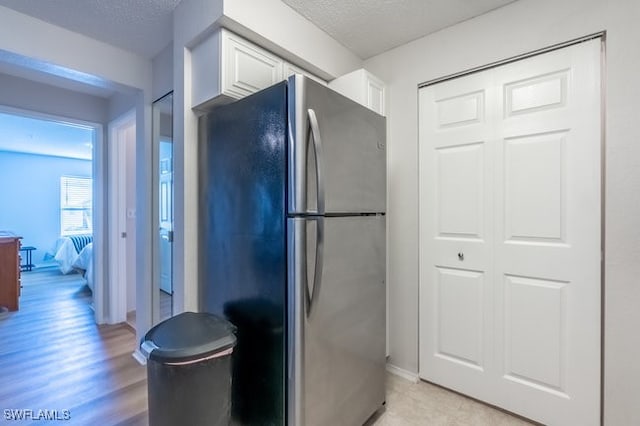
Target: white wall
(70, 54)
(162, 65)
(521, 27)
(29, 95)
(31, 190)
(120, 104)
(191, 19)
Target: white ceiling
(45, 137)
(367, 27)
(144, 27)
(370, 27)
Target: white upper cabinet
(375, 94)
(225, 66)
(247, 68)
(363, 87)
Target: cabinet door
(363, 87)
(9, 273)
(18, 271)
(375, 94)
(247, 68)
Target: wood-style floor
(166, 309)
(53, 356)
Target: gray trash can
(189, 370)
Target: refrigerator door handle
(314, 133)
(312, 299)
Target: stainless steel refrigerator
(292, 187)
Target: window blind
(76, 205)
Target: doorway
(510, 235)
(53, 183)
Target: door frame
(602, 36)
(99, 188)
(118, 266)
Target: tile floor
(424, 404)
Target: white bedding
(69, 260)
(65, 254)
(84, 262)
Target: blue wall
(30, 196)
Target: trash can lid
(187, 337)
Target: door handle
(312, 299)
(314, 134)
(168, 236)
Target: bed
(75, 253)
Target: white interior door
(165, 216)
(122, 136)
(510, 249)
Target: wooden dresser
(9, 270)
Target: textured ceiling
(367, 27)
(144, 27)
(370, 27)
(44, 137)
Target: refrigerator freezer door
(336, 350)
(339, 141)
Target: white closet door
(456, 233)
(547, 239)
(541, 305)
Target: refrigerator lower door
(337, 319)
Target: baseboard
(137, 355)
(407, 375)
(130, 327)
